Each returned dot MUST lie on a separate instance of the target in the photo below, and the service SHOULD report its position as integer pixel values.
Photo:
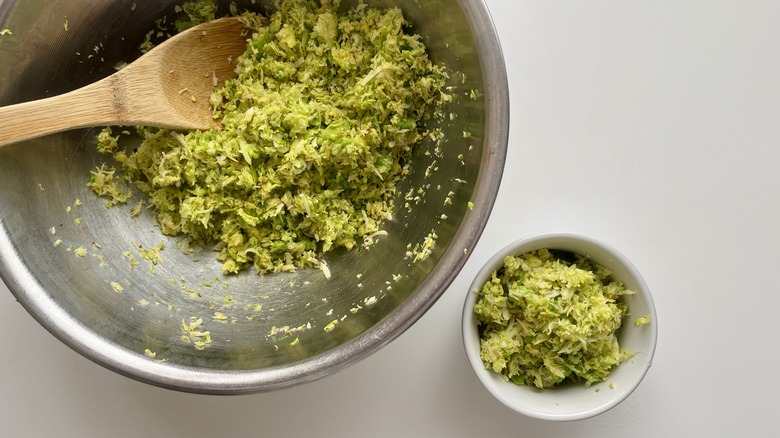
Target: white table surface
(652, 125)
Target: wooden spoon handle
(92, 105)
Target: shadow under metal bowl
(269, 331)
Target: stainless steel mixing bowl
(267, 331)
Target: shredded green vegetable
(317, 129)
(546, 317)
(643, 320)
(102, 182)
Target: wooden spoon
(169, 87)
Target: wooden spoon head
(195, 62)
(169, 87)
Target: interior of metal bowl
(266, 331)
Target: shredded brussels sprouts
(102, 182)
(643, 320)
(317, 129)
(546, 317)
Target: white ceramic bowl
(571, 401)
